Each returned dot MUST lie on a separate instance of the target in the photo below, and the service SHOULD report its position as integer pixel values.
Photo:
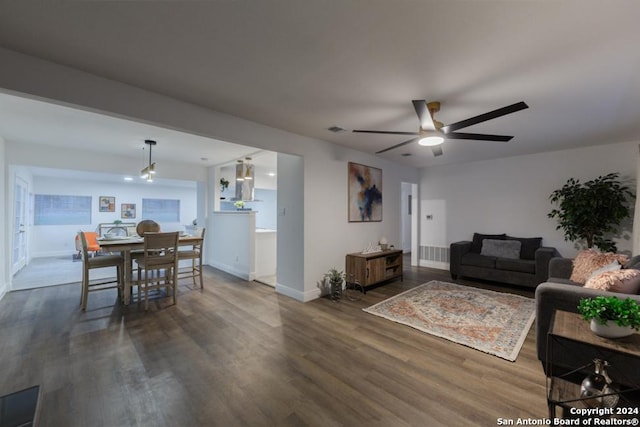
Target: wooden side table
(563, 391)
(369, 269)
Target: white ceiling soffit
(357, 64)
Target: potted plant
(224, 184)
(589, 211)
(610, 316)
(335, 279)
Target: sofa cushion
(625, 281)
(501, 248)
(520, 265)
(587, 261)
(476, 244)
(478, 260)
(529, 246)
(634, 262)
(562, 281)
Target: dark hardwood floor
(238, 354)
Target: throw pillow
(476, 244)
(590, 260)
(529, 246)
(501, 248)
(623, 281)
(613, 266)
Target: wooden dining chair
(195, 255)
(159, 264)
(91, 263)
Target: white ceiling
(304, 66)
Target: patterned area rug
(493, 322)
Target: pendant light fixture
(150, 170)
(240, 171)
(248, 168)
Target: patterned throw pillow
(623, 281)
(590, 260)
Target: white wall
(56, 240)
(405, 218)
(291, 235)
(5, 245)
(512, 195)
(327, 235)
(234, 245)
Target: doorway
(20, 218)
(409, 220)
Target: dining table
(125, 245)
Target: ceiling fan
(433, 133)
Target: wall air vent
(336, 129)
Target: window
(62, 210)
(161, 210)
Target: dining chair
(144, 226)
(91, 263)
(195, 255)
(159, 264)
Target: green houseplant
(589, 211)
(224, 184)
(611, 311)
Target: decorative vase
(610, 329)
(596, 389)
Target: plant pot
(336, 290)
(610, 329)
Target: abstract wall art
(106, 204)
(365, 193)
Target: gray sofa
(530, 269)
(560, 293)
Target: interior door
(20, 210)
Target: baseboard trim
(434, 264)
(242, 274)
(297, 294)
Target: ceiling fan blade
(479, 136)
(486, 116)
(386, 132)
(396, 146)
(426, 121)
(437, 150)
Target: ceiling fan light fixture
(430, 141)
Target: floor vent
(434, 253)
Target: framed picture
(365, 193)
(128, 210)
(107, 204)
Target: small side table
(569, 329)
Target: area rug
(493, 322)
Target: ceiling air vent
(336, 129)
